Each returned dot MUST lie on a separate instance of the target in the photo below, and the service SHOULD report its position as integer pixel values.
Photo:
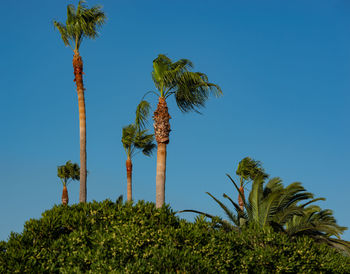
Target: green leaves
(271, 205)
(249, 169)
(69, 171)
(134, 136)
(191, 89)
(100, 237)
(142, 113)
(81, 22)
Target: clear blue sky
(284, 68)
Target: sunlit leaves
(81, 22)
(69, 171)
(135, 137)
(104, 237)
(191, 89)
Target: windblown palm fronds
(286, 209)
(81, 22)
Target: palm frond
(239, 193)
(217, 219)
(142, 113)
(81, 22)
(145, 142)
(191, 89)
(135, 137)
(312, 201)
(249, 169)
(255, 200)
(63, 31)
(69, 171)
(228, 212)
(240, 213)
(128, 136)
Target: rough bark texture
(129, 178)
(65, 198)
(161, 122)
(78, 73)
(240, 201)
(160, 177)
(161, 125)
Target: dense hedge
(106, 237)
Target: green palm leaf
(142, 113)
(191, 89)
(81, 22)
(134, 137)
(69, 171)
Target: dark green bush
(106, 237)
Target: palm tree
(286, 209)
(67, 173)
(272, 205)
(81, 23)
(191, 90)
(134, 138)
(248, 170)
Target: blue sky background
(284, 68)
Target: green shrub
(106, 237)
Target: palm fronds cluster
(82, 22)
(270, 204)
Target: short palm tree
(272, 205)
(67, 173)
(135, 138)
(191, 90)
(286, 209)
(82, 22)
(248, 170)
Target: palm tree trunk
(129, 178)
(240, 200)
(160, 177)
(78, 72)
(65, 198)
(161, 131)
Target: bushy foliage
(101, 237)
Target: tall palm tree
(134, 138)
(67, 173)
(191, 90)
(82, 22)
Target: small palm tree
(191, 91)
(286, 209)
(82, 22)
(248, 170)
(67, 173)
(273, 204)
(135, 138)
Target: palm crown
(67, 172)
(191, 89)
(81, 22)
(134, 136)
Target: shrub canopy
(101, 237)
